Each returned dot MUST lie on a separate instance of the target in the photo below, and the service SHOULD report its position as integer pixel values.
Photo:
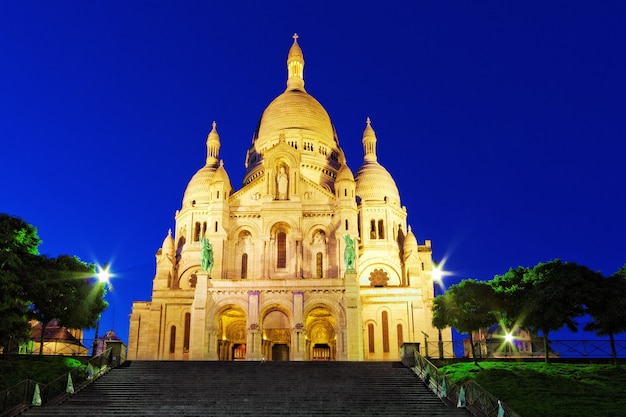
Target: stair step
(193, 388)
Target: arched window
(400, 335)
(346, 224)
(203, 229)
(370, 337)
(385, 332)
(281, 241)
(173, 339)
(196, 232)
(381, 229)
(319, 267)
(244, 266)
(187, 332)
(372, 229)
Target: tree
(607, 308)
(40, 287)
(19, 244)
(510, 289)
(64, 289)
(555, 294)
(468, 306)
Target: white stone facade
(279, 287)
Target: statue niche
(282, 184)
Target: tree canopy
(40, 287)
(607, 308)
(468, 307)
(543, 299)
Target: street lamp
(437, 274)
(104, 277)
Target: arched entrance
(232, 340)
(276, 336)
(321, 339)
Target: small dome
(410, 241)
(373, 182)
(344, 173)
(168, 244)
(222, 175)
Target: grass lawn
(42, 369)
(536, 389)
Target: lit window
(173, 339)
(319, 265)
(385, 332)
(281, 240)
(244, 266)
(187, 332)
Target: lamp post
(437, 275)
(103, 276)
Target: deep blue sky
(503, 123)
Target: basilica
(307, 261)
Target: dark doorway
(280, 352)
(239, 352)
(321, 352)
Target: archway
(321, 336)
(231, 344)
(276, 336)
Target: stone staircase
(189, 388)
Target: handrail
(28, 393)
(470, 395)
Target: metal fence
(469, 394)
(29, 393)
(573, 349)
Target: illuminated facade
(309, 261)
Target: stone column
(254, 339)
(298, 348)
(354, 332)
(198, 343)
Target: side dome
(373, 181)
(197, 191)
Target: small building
(494, 343)
(57, 340)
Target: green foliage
(542, 299)
(468, 306)
(554, 390)
(607, 307)
(40, 287)
(43, 369)
(510, 290)
(19, 244)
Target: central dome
(294, 109)
(298, 119)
